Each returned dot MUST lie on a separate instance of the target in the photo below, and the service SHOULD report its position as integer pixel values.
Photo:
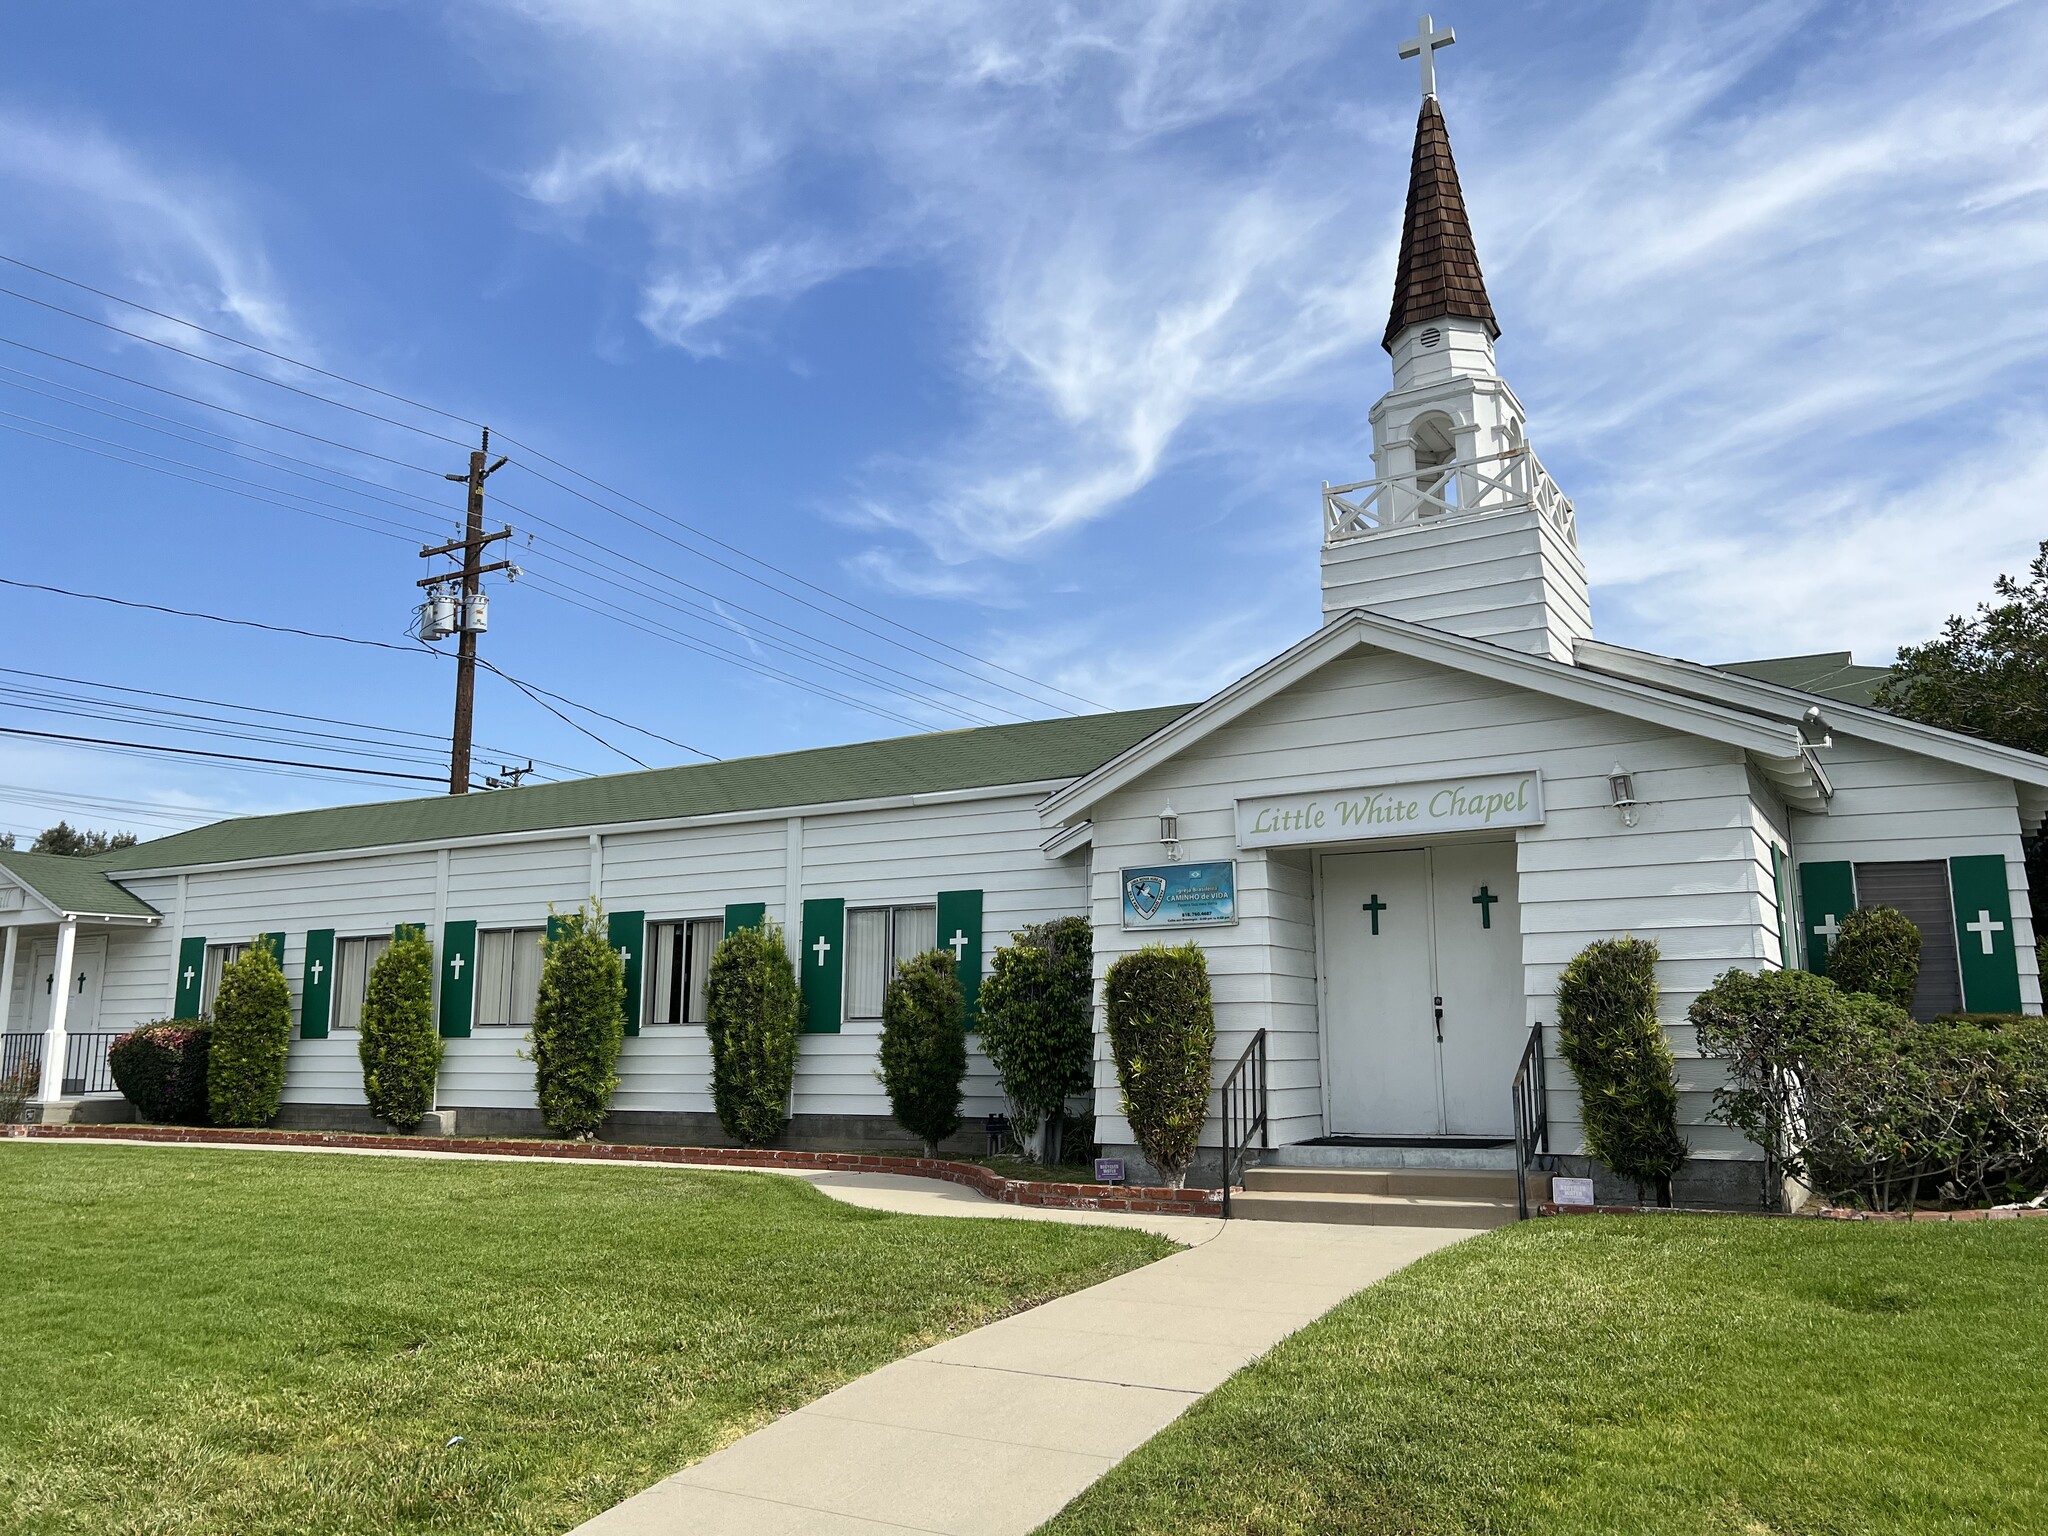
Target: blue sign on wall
(1180, 895)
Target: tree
(1877, 952)
(64, 838)
(1609, 1034)
(924, 1046)
(1162, 1031)
(399, 1047)
(755, 1009)
(252, 1031)
(1987, 676)
(579, 1024)
(1038, 1025)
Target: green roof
(987, 756)
(74, 883)
(1830, 674)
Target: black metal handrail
(85, 1063)
(1244, 1111)
(1532, 1116)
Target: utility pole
(470, 613)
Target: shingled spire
(1439, 270)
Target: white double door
(88, 964)
(1422, 990)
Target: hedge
(1162, 1031)
(924, 1046)
(252, 1031)
(755, 1009)
(1038, 1025)
(161, 1070)
(1610, 1036)
(399, 1047)
(579, 1024)
(1878, 952)
(1871, 1108)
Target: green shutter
(627, 931)
(274, 942)
(400, 930)
(823, 969)
(191, 978)
(1788, 947)
(316, 997)
(1827, 894)
(1984, 937)
(745, 914)
(960, 931)
(555, 927)
(458, 979)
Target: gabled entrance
(1420, 962)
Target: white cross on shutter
(822, 947)
(1984, 927)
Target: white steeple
(1460, 528)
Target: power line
(530, 448)
(232, 757)
(615, 720)
(236, 340)
(201, 357)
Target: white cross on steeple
(958, 944)
(822, 947)
(1426, 42)
(1984, 927)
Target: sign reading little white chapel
(1392, 810)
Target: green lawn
(1638, 1377)
(265, 1342)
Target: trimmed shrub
(252, 1031)
(18, 1085)
(1038, 1025)
(924, 1046)
(1162, 1031)
(1877, 951)
(755, 1008)
(1610, 1037)
(399, 1047)
(579, 1024)
(161, 1070)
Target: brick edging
(1146, 1200)
(1825, 1213)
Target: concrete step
(1430, 1183)
(1371, 1210)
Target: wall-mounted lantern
(1621, 788)
(1169, 834)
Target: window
(353, 959)
(878, 939)
(680, 992)
(508, 976)
(218, 958)
(1919, 888)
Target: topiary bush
(755, 1010)
(399, 1047)
(579, 1024)
(252, 1031)
(1038, 1024)
(1162, 1031)
(1878, 952)
(1610, 1037)
(161, 1070)
(924, 1046)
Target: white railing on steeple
(1493, 482)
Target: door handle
(1439, 1021)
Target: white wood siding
(1686, 875)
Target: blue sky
(1032, 327)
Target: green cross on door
(1484, 902)
(1374, 908)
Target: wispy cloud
(1772, 276)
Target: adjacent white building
(1388, 840)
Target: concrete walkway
(993, 1432)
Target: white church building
(1388, 840)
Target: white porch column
(60, 1005)
(7, 979)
